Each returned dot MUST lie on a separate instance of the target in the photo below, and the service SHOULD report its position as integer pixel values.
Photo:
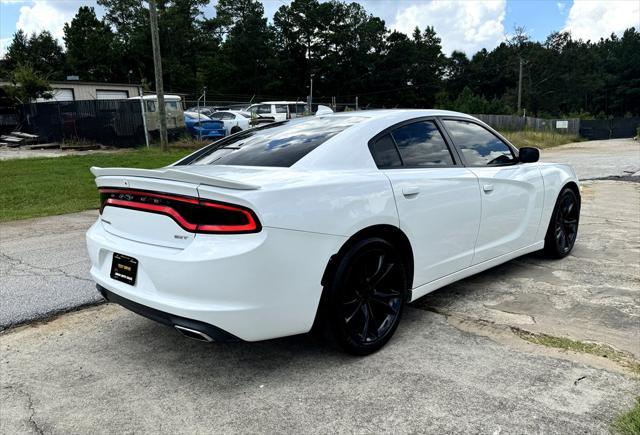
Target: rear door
(512, 193)
(438, 200)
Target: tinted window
(385, 153)
(421, 144)
(278, 144)
(281, 108)
(264, 108)
(479, 146)
(222, 115)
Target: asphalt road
(44, 267)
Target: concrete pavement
(598, 158)
(592, 295)
(105, 370)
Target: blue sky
(466, 25)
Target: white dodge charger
(331, 223)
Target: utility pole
(520, 87)
(157, 65)
(311, 93)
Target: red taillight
(192, 214)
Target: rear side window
(421, 144)
(278, 144)
(385, 153)
(478, 145)
(281, 108)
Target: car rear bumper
(209, 331)
(248, 286)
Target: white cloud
(43, 15)
(561, 6)
(462, 25)
(4, 44)
(592, 19)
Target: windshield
(278, 144)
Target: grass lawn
(628, 423)
(539, 139)
(49, 186)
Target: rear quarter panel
(330, 202)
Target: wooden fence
(517, 123)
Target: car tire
(235, 129)
(563, 226)
(366, 297)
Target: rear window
(279, 144)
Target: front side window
(151, 106)
(171, 105)
(279, 144)
(421, 144)
(478, 145)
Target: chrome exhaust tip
(193, 334)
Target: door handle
(410, 191)
(487, 188)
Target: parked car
(333, 222)
(234, 121)
(208, 129)
(278, 110)
(207, 110)
(191, 119)
(174, 111)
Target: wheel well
(573, 186)
(393, 235)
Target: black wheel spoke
(386, 306)
(353, 313)
(365, 326)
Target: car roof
(280, 102)
(155, 97)
(349, 148)
(395, 113)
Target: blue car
(204, 127)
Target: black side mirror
(529, 155)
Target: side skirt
(472, 270)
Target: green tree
(27, 85)
(241, 66)
(89, 43)
(41, 51)
(16, 54)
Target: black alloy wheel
(368, 296)
(563, 227)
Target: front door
(512, 193)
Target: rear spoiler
(174, 175)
